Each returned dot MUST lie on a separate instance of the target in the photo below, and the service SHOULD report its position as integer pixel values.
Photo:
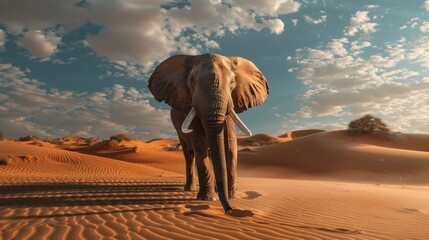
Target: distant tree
(1, 136)
(27, 138)
(368, 124)
(90, 140)
(120, 137)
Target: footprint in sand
(324, 229)
(197, 207)
(411, 210)
(339, 230)
(198, 210)
(252, 195)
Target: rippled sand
(110, 191)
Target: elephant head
(211, 87)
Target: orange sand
(339, 156)
(72, 189)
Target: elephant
(205, 93)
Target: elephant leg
(191, 184)
(231, 156)
(205, 179)
(205, 172)
(187, 147)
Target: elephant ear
(168, 82)
(251, 86)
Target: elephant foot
(232, 193)
(205, 196)
(190, 188)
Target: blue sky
(81, 67)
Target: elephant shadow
(252, 195)
(239, 213)
(200, 210)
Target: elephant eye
(232, 83)
(232, 79)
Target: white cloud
(319, 54)
(276, 25)
(342, 83)
(424, 27)
(336, 46)
(271, 8)
(139, 31)
(294, 22)
(357, 46)
(28, 14)
(304, 124)
(372, 6)
(315, 21)
(419, 52)
(360, 22)
(380, 61)
(39, 44)
(207, 19)
(2, 38)
(30, 108)
(425, 5)
(122, 69)
(412, 23)
(396, 50)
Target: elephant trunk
(215, 136)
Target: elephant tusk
(240, 123)
(187, 122)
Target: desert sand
(307, 184)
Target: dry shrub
(257, 143)
(90, 140)
(173, 147)
(3, 161)
(28, 138)
(264, 143)
(120, 137)
(1, 136)
(135, 149)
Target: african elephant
(205, 93)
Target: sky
(81, 67)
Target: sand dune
(337, 155)
(72, 141)
(156, 153)
(22, 162)
(111, 190)
(299, 133)
(258, 140)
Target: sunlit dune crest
(304, 184)
(337, 155)
(299, 133)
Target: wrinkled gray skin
(214, 86)
(195, 146)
